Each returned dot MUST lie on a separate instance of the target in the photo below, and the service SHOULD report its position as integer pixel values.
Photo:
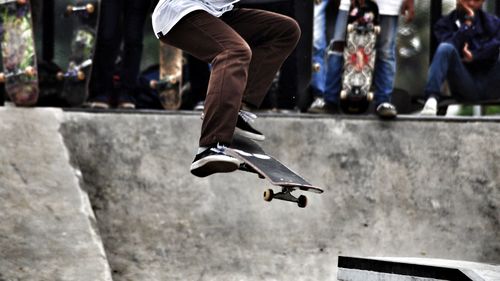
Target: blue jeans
(385, 62)
(319, 48)
(464, 85)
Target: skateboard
(169, 84)
(359, 58)
(255, 160)
(18, 52)
(77, 75)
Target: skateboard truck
(170, 83)
(285, 195)
(88, 8)
(75, 73)
(28, 71)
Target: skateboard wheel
(316, 67)
(81, 76)
(350, 28)
(302, 201)
(370, 96)
(377, 30)
(60, 76)
(90, 8)
(153, 84)
(30, 71)
(69, 9)
(343, 95)
(268, 195)
(2, 77)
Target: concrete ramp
(403, 188)
(48, 229)
(416, 188)
(414, 269)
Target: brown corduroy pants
(246, 48)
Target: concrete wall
(47, 228)
(404, 188)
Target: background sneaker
(244, 129)
(387, 110)
(213, 160)
(321, 106)
(430, 107)
(126, 105)
(97, 105)
(200, 106)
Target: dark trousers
(246, 48)
(119, 19)
(464, 84)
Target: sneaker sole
(314, 110)
(98, 105)
(428, 112)
(214, 164)
(249, 135)
(387, 114)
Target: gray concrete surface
(405, 188)
(47, 230)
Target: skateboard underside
(77, 75)
(255, 160)
(169, 85)
(18, 53)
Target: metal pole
(436, 14)
(48, 37)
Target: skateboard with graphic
(19, 74)
(257, 161)
(359, 58)
(76, 77)
(170, 82)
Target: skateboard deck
(256, 160)
(359, 58)
(169, 85)
(18, 52)
(77, 75)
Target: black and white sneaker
(244, 129)
(213, 160)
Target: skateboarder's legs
(272, 38)
(246, 48)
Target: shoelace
(219, 148)
(247, 116)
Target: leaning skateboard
(169, 84)
(359, 58)
(256, 160)
(18, 52)
(77, 75)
